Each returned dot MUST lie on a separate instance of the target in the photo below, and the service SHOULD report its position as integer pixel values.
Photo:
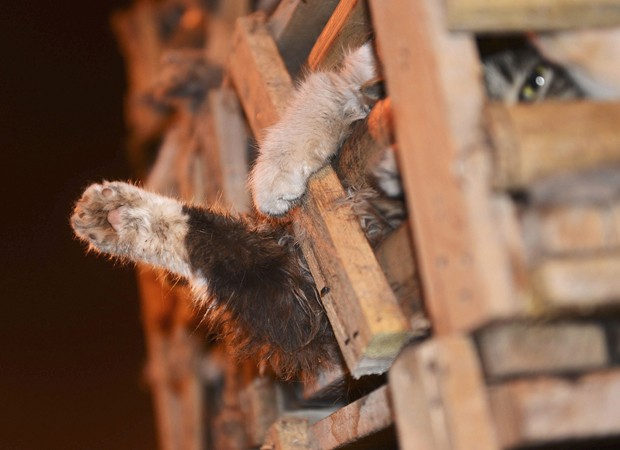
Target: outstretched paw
(99, 216)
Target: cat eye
(537, 79)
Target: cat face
(524, 76)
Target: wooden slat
(437, 99)
(571, 229)
(526, 15)
(288, 433)
(517, 349)
(363, 311)
(543, 410)
(349, 27)
(171, 368)
(225, 147)
(536, 141)
(296, 25)
(259, 403)
(261, 80)
(439, 398)
(367, 416)
(578, 283)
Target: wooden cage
(483, 322)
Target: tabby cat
(247, 270)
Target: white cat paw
(277, 188)
(99, 216)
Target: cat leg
(310, 132)
(125, 221)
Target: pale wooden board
(578, 283)
(226, 149)
(364, 417)
(572, 229)
(527, 15)
(439, 397)
(532, 142)
(548, 409)
(525, 349)
(437, 99)
(296, 25)
(364, 313)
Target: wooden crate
(522, 298)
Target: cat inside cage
(248, 271)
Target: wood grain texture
(261, 80)
(439, 398)
(526, 15)
(437, 101)
(548, 409)
(369, 415)
(532, 142)
(362, 309)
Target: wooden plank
(544, 410)
(395, 256)
(288, 433)
(296, 25)
(172, 369)
(260, 407)
(225, 149)
(535, 141)
(437, 99)
(526, 15)
(439, 398)
(571, 229)
(581, 283)
(517, 349)
(261, 80)
(362, 309)
(364, 417)
(349, 27)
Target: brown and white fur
(247, 270)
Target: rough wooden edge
(362, 309)
(439, 397)
(526, 15)
(548, 409)
(362, 418)
(437, 98)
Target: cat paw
(98, 217)
(276, 188)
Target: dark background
(71, 342)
